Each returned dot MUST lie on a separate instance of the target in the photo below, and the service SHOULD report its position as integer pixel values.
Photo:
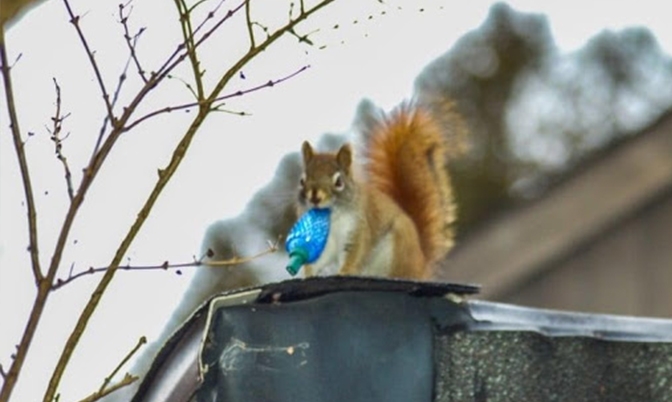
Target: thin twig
(169, 109)
(196, 5)
(188, 36)
(126, 381)
(210, 16)
(304, 38)
(115, 98)
(222, 20)
(263, 28)
(56, 138)
(74, 20)
(108, 379)
(253, 52)
(131, 41)
(2, 372)
(272, 248)
(248, 19)
(106, 120)
(177, 56)
(186, 84)
(220, 109)
(19, 147)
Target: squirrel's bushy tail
(406, 159)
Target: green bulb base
(296, 260)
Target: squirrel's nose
(314, 197)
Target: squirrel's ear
(344, 157)
(307, 151)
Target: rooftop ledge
(367, 339)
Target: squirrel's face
(326, 178)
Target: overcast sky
(230, 159)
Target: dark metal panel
(346, 346)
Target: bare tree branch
(272, 248)
(115, 98)
(248, 19)
(90, 172)
(177, 56)
(108, 379)
(220, 22)
(164, 176)
(169, 109)
(210, 16)
(105, 143)
(23, 162)
(12, 375)
(263, 27)
(44, 285)
(96, 396)
(131, 41)
(56, 138)
(305, 37)
(74, 20)
(188, 35)
(186, 84)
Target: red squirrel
(395, 221)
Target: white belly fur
(341, 228)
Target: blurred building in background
(600, 240)
(565, 193)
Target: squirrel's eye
(338, 182)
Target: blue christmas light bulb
(306, 241)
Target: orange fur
(406, 155)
